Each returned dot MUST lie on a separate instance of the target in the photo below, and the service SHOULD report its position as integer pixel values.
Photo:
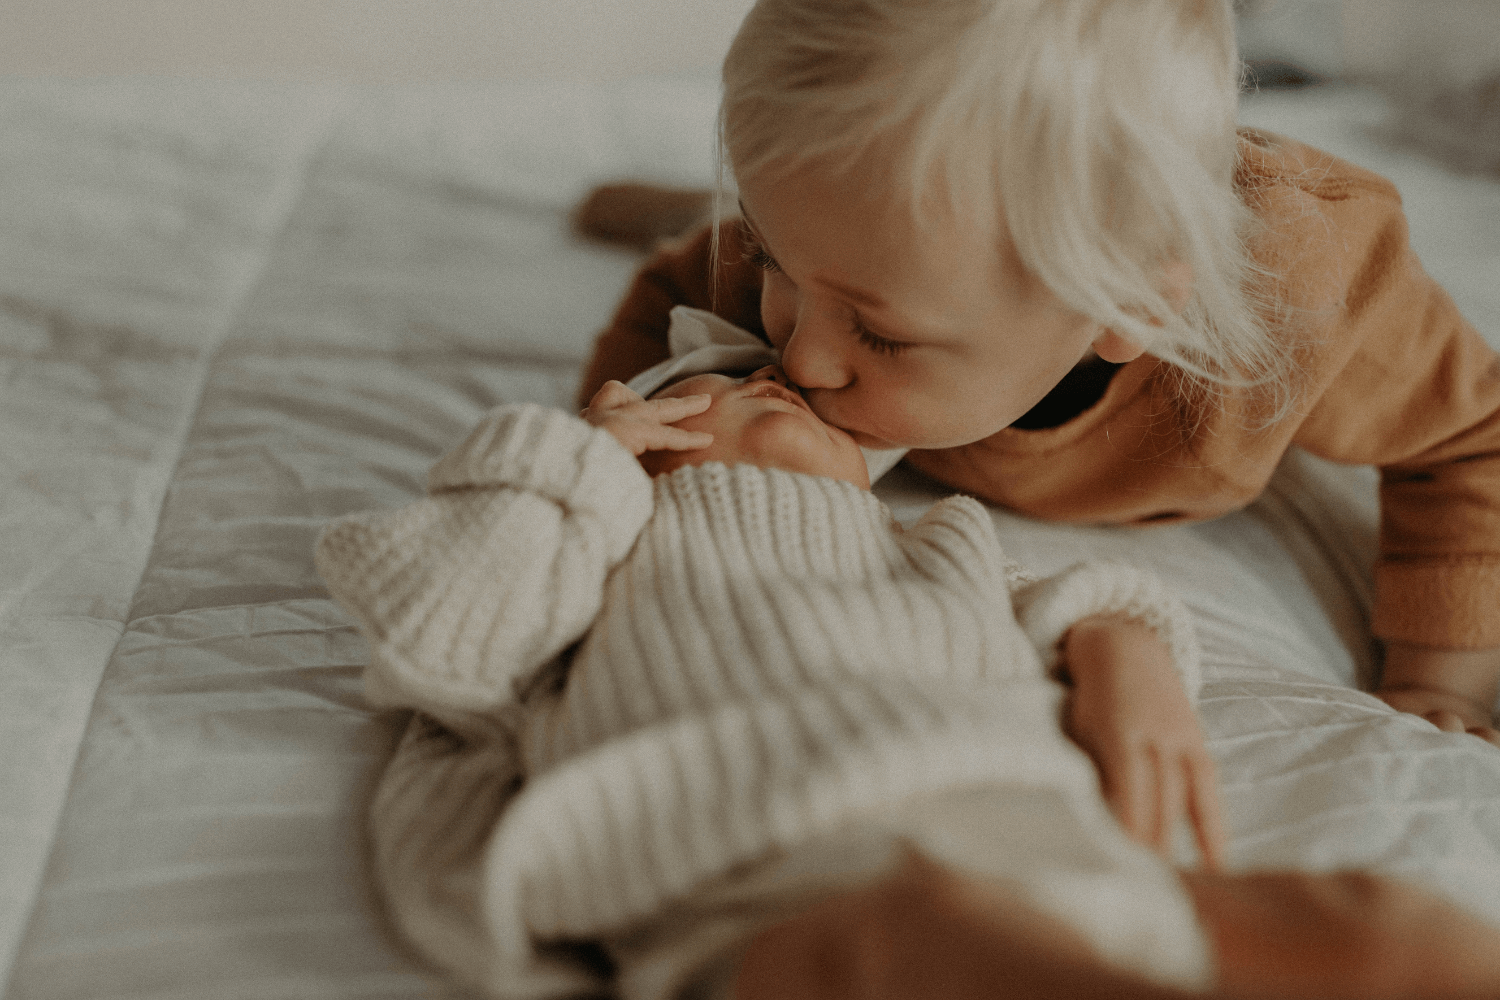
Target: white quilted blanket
(231, 312)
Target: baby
(713, 678)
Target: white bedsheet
(230, 312)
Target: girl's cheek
(778, 310)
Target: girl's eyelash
(877, 343)
(761, 259)
(758, 256)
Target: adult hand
(929, 933)
(1129, 712)
(643, 425)
(1342, 936)
(1454, 689)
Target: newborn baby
(688, 673)
(759, 419)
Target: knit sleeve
(1048, 608)
(682, 273)
(499, 569)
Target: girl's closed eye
(875, 342)
(760, 257)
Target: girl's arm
(501, 567)
(677, 274)
(1392, 375)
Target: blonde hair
(1099, 133)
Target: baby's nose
(771, 373)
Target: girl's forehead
(930, 282)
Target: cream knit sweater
(644, 685)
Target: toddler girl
(1025, 239)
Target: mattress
(230, 312)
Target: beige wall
(1453, 41)
(365, 40)
(392, 40)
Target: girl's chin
(870, 441)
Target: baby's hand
(1129, 711)
(644, 425)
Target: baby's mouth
(778, 391)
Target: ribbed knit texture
(765, 656)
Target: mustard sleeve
(678, 273)
(1414, 390)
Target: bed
(230, 312)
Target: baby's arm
(501, 567)
(1129, 710)
(1125, 647)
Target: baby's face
(762, 420)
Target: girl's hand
(1454, 689)
(644, 425)
(1128, 710)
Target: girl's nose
(811, 361)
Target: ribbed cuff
(553, 454)
(1049, 608)
(1451, 603)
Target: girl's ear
(1116, 349)
(1176, 288)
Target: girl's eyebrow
(869, 300)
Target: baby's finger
(1131, 791)
(613, 393)
(670, 409)
(1207, 816)
(677, 439)
(1171, 796)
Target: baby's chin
(660, 463)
